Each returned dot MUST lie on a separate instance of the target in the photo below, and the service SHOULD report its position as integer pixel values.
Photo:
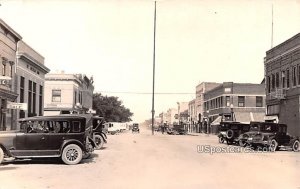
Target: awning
(246, 117)
(217, 121)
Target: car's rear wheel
(72, 154)
(296, 146)
(98, 141)
(273, 145)
(1, 155)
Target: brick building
(282, 75)
(68, 93)
(8, 48)
(243, 102)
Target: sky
(113, 41)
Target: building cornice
(30, 59)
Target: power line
(146, 93)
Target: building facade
(172, 116)
(230, 101)
(68, 93)
(282, 76)
(193, 118)
(199, 102)
(8, 48)
(30, 80)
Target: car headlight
(250, 138)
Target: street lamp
(153, 81)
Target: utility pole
(153, 84)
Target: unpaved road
(143, 161)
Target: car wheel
(221, 140)
(242, 143)
(98, 141)
(72, 154)
(274, 145)
(295, 146)
(1, 155)
(229, 134)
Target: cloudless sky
(196, 41)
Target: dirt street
(143, 161)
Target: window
(227, 101)
(283, 79)
(56, 95)
(273, 82)
(269, 84)
(41, 100)
(259, 101)
(10, 72)
(22, 84)
(294, 76)
(277, 80)
(241, 101)
(3, 68)
(34, 98)
(29, 98)
(76, 126)
(287, 78)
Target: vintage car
(177, 130)
(63, 136)
(230, 131)
(271, 135)
(99, 129)
(135, 128)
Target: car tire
(296, 146)
(229, 134)
(98, 141)
(1, 155)
(221, 140)
(273, 145)
(72, 154)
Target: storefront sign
(17, 106)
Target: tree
(111, 108)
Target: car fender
(92, 142)
(71, 141)
(5, 150)
(103, 137)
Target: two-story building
(243, 102)
(68, 93)
(8, 48)
(282, 75)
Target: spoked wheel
(72, 154)
(98, 141)
(274, 145)
(296, 146)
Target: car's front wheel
(72, 154)
(273, 145)
(296, 145)
(98, 141)
(1, 155)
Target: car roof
(54, 117)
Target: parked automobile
(99, 130)
(135, 128)
(230, 131)
(271, 135)
(64, 136)
(176, 130)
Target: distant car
(271, 135)
(135, 128)
(230, 131)
(64, 136)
